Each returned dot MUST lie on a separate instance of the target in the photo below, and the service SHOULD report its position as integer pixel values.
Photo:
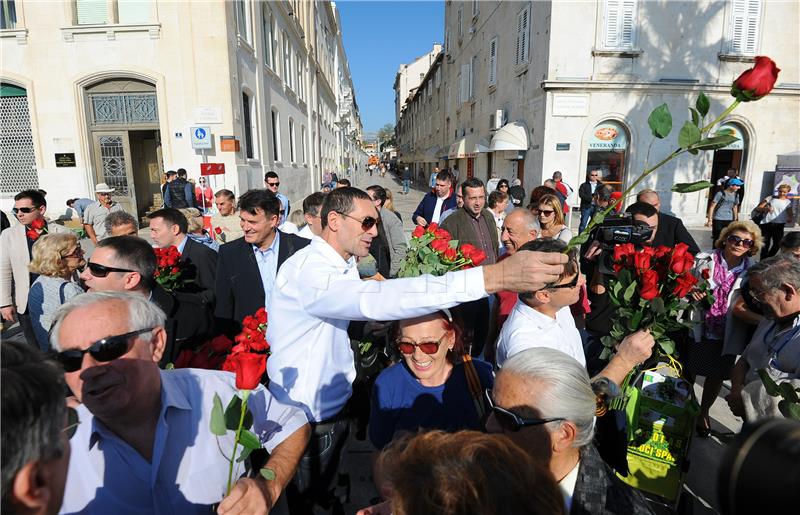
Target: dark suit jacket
(585, 193)
(460, 227)
(189, 322)
(239, 290)
(202, 268)
(671, 231)
(599, 491)
(428, 204)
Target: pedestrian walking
(406, 179)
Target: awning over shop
(458, 149)
(512, 136)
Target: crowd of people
(477, 389)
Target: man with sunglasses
(542, 399)
(37, 426)
(144, 444)
(668, 230)
(318, 292)
(16, 244)
(95, 215)
(273, 182)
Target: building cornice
(600, 85)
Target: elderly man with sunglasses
(543, 319)
(144, 444)
(17, 244)
(543, 400)
(318, 292)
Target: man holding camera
(668, 230)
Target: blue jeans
(586, 214)
(406, 183)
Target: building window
(17, 156)
(276, 137)
(247, 120)
(523, 31)
(241, 20)
(8, 14)
(287, 60)
(608, 151)
(299, 69)
(303, 144)
(130, 12)
(292, 154)
(460, 23)
(266, 21)
(465, 82)
(274, 48)
(493, 61)
(92, 12)
(743, 27)
(472, 67)
(619, 24)
(475, 9)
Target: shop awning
(458, 149)
(512, 136)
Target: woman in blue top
(434, 386)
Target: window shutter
(612, 24)
(627, 24)
(743, 31)
(92, 12)
(134, 11)
(472, 63)
(619, 29)
(465, 79)
(460, 23)
(522, 36)
(493, 61)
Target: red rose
(184, 359)
(648, 285)
(418, 232)
(176, 270)
(679, 262)
(478, 257)
(218, 230)
(684, 285)
(439, 245)
(228, 365)
(259, 345)
(432, 227)
(261, 315)
(244, 345)
(442, 234)
(221, 344)
(706, 273)
(641, 260)
(467, 250)
(623, 254)
(250, 322)
(249, 368)
(32, 234)
(450, 254)
(662, 251)
(37, 224)
(757, 81)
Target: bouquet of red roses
(169, 269)
(36, 229)
(650, 290)
(433, 251)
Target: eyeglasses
(73, 421)
(736, 240)
(105, 350)
(25, 210)
(510, 421)
(428, 348)
(366, 224)
(573, 283)
(98, 270)
(275, 184)
(545, 212)
(78, 252)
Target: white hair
(567, 391)
(142, 314)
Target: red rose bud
(439, 246)
(229, 365)
(261, 315)
(468, 249)
(641, 260)
(648, 285)
(442, 234)
(757, 81)
(706, 273)
(37, 224)
(249, 369)
(450, 254)
(432, 227)
(478, 257)
(684, 285)
(218, 230)
(418, 231)
(32, 234)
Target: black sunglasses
(105, 350)
(98, 270)
(366, 224)
(276, 184)
(573, 283)
(25, 210)
(736, 240)
(510, 421)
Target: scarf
(724, 279)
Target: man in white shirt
(312, 205)
(543, 319)
(144, 444)
(434, 203)
(318, 292)
(543, 400)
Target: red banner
(212, 168)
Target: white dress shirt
(317, 293)
(267, 261)
(188, 471)
(567, 486)
(305, 232)
(526, 328)
(437, 211)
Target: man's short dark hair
(118, 218)
(556, 175)
(253, 200)
(346, 182)
(228, 194)
(71, 201)
(270, 175)
(312, 204)
(445, 176)
(341, 201)
(642, 208)
(135, 254)
(555, 245)
(604, 193)
(171, 216)
(471, 183)
(171, 173)
(181, 172)
(791, 240)
(380, 193)
(35, 196)
(33, 411)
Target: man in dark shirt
(179, 193)
(669, 229)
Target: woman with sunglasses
(204, 196)
(724, 269)
(434, 386)
(55, 258)
(551, 219)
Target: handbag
(757, 215)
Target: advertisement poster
(790, 176)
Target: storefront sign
(570, 105)
(608, 136)
(65, 160)
(736, 145)
(790, 176)
(207, 114)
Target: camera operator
(667, 229)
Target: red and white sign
(212, 168)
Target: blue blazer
(428, 204)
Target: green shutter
(134, 11)
(92, 12)
(9, 90)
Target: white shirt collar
(567, 485)
(328, 251)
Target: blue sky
(378, 36)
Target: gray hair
(777, 270)
(567, 393)
(118, 218)
(33, 410)
(142, 313)
(528, 218)
(645, 193)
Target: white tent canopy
(512, 136)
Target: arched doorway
(126, 141)
(608, 152)
(728, 158)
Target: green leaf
(633, 325)
(769, 384)
(689, 187)
(787, 392)
(789, 409)
(616, 289)
(249, 440)
(693, 151)
(268, 474)
(668, 346)
(658, 305)
(702, 104)
(598, 218)
(714, 142)
(578, 240)
(695, 117)
(660, 121)
(217, 417)
(689, 135)
(244, 454)
(629, 291)
(232, 413)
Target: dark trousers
(716, 229)
(27, 329)
(586, 215)
(314, 482)
(773, 234)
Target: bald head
(649, 197)
(519, 227)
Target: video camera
(621, 228)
